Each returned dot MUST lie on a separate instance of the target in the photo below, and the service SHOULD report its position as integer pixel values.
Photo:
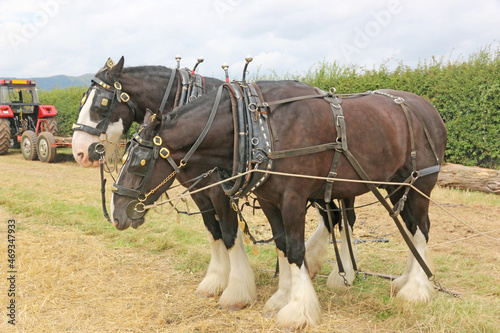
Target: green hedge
(466, 92)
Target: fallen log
(470, 178)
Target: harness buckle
(399, 100)
(124, 97)
(338, 119)
(118, 85)
(157, 140)
(164, 153)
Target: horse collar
(252, 139)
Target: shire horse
(388, 135)
(229, 270)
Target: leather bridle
(142, 155)
(104, 104)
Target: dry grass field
(76, 273)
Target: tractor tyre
(4, 136)
(45, 146)
(53, 127)
(28, 145)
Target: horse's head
(106, 112)
(148, 170)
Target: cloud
(50, 37)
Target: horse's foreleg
(216, 279)
(241, 290)
(282, 296)
(303, 308)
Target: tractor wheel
(4, 136)
(28, 145)
(53, 127)
(46, 151)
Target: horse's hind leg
(414, 285)
(317, 244)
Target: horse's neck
(154, 100)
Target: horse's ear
(147, 117)
(152, 121)
(116, 70)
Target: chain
(105, 139)
(141, 200)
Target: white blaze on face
(82, 140)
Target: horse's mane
(172, 118)
(145, 71)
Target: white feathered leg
(317, 248)
(241, 289)
(334, 279)
(303, 308)
(215, 280)
(414, 285)
(282, 296)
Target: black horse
(146, 87)
(378, 136)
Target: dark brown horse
(388, 141)
(146, 87)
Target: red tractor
(26, 124)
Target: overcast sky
(41, 38)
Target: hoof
(233, 307)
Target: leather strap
(169, 88)
(208, 125)
(303, 151)
(348, 235)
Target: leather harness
(340, 146)
(253, 150)
(252, 139)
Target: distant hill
(60, 81)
